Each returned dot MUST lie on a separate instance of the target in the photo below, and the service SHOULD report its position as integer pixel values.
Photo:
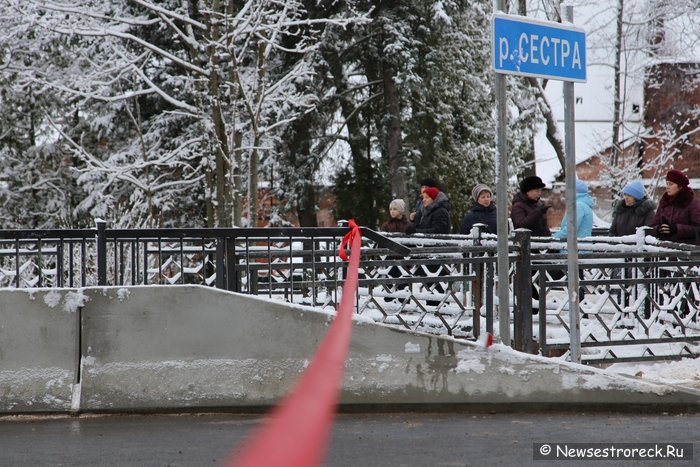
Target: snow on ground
(685, 372)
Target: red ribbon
(297, 431)
(348, 238)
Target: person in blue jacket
(584, 213)
(483, 211)
(584, 222)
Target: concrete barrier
(174, 347)
(193, 347)
(38, 349)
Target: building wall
(325, 213)
(671, 140)
(672, 111)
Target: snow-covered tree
(37, 186)
(180, 99)
(420, 70)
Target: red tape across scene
(297, 430)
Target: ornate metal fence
(434, 285)
(640, 298)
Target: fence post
(522, 292)
(220, 264)
(233, 276)
(650, 289)
(642, 233)
(477, 285)
(101, 252)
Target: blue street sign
(543, 49)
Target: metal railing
(640, 298)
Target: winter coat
(584, 217)
(442, 198)
(480, 215)
(529, 214)
(435, 218)
(626, 219)
(681, 211)
(402, 225)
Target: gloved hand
(666, 230)
(545, 207)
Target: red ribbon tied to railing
(297, 431)
(347, 239)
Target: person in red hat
(435, 217)
(415, 215)
(677, 218)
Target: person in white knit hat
(398, 220)
(483, 211)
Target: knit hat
(635, 189)
(581, 186)
(677, 177)
(480, 187)
(428, 182)
(531, 183)
(399, 205)
(432, 192)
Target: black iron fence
(639, 298)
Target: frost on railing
(637, 301)
(46, 263)
(639, 297)
(442, 288)
(161, 261)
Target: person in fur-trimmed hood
(435, 217)
(584, 214)
(633, 210)
(677, 218)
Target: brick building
(670, 139)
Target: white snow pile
(71, 301)
(685, 372)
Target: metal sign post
(571, 240)
(542, 49)
(501, 206)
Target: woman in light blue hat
(633, 210)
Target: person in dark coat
(398, 221)
(418, 209)
(434, 219)
(633, 210)
(418, 205)
(677, 219)
(528, 211)
(435, 215)
(483, 211)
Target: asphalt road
(376, 439)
